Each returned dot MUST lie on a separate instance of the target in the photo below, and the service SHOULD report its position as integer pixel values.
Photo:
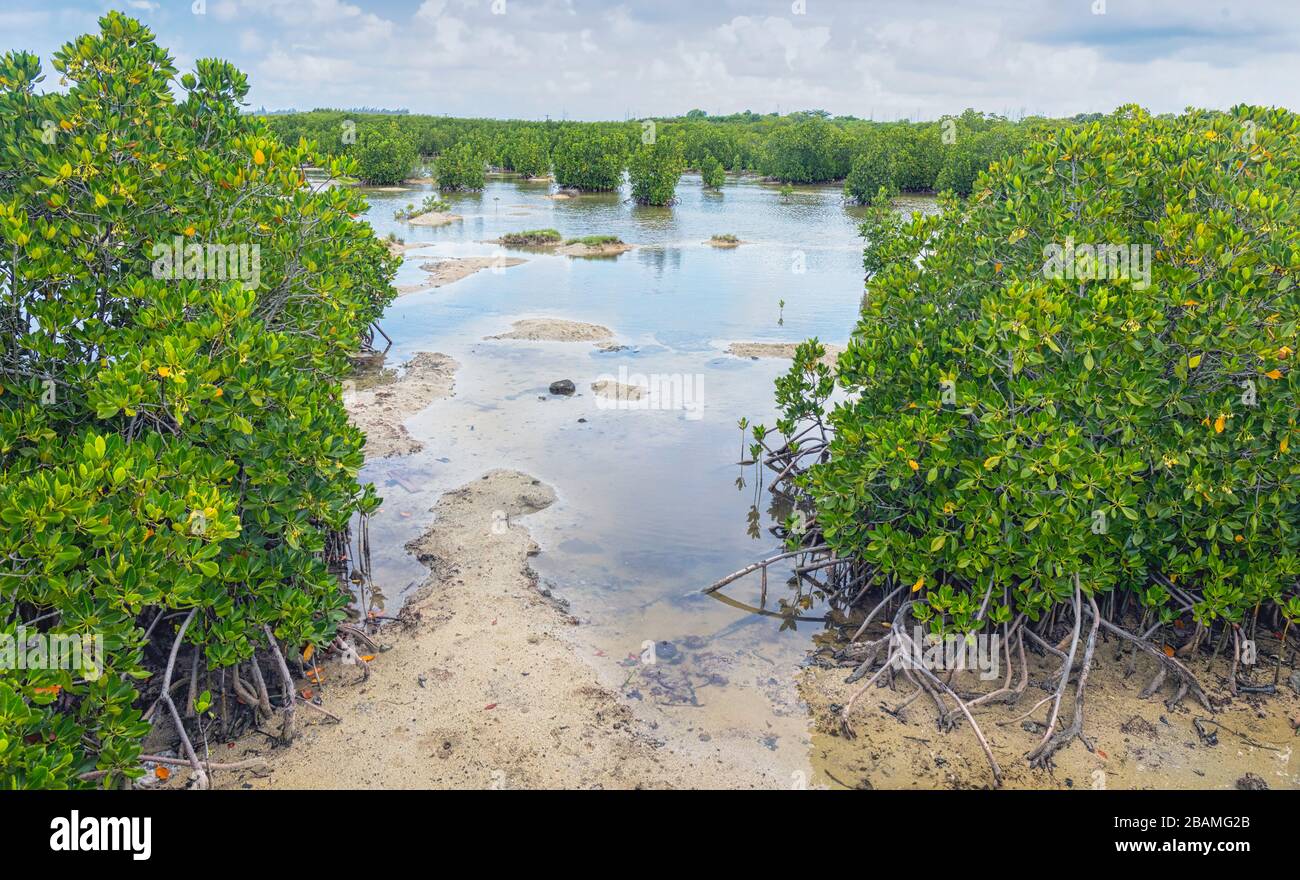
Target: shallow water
(649, 508)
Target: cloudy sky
(594, 59)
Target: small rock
(582, 421)
(1251, 782)
(563, 386)
(1294, 681)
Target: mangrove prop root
(201, 781)
(263, 696)
(1167, 663)
(901, 656)
(1042, 755)
(1064, 678)
(286, 730)
(242, 691)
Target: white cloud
(600, 60)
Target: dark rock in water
(1251, 782)
(666, 650)
(582, 421)
(564, 386)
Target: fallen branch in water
(763, 564)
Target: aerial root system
(1068, 632)
(1076, 652)
(1053, 740)
(243, 700)
(902, 652)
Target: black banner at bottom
(160, 828)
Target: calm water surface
(650, 509)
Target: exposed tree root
(1041, 756)
(901, 656)
(201, 780)
(1169, 665)
(286, 730)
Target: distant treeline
(801, 147)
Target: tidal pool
(653, 504)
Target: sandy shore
(380, 411)
(434, 218)
(480, 689)
(443, 272)
(574, 249)
(594, 250)
(556, 330)
(779, 350)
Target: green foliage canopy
(167, 443)
(459, 168)
(587, 159)
(654, 170)
(1021, 421)
(384, 154)
(712, 174)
